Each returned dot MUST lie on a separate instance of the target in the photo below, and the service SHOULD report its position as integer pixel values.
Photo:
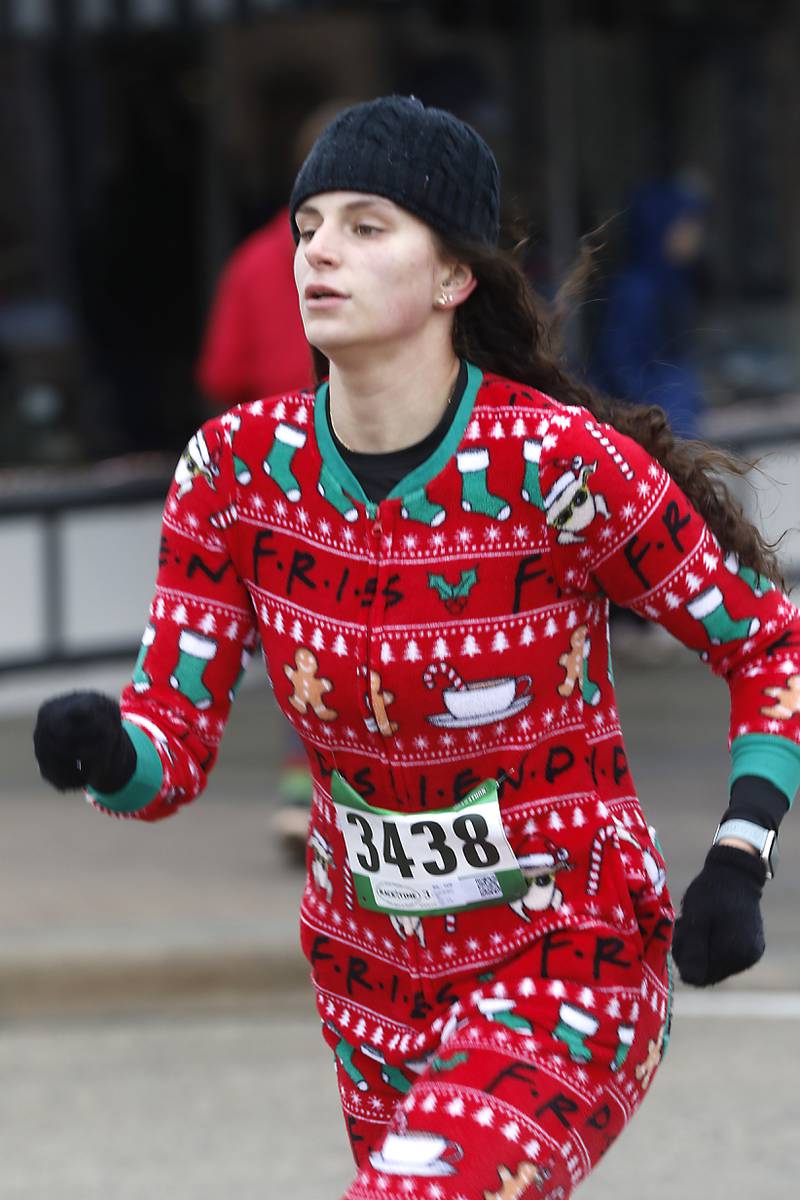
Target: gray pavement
(153, 1040)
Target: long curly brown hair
(506, 329)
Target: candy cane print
(596, 856)
(224, 518)
(443, 668)
(349, 897)
(610, 449)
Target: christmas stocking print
(331, 490)
(531, 486)
(417, 507)
(758, 584)
(344, 1052)
(574, 1026)
(195, 652)
(278, 463)
(140, 679)
(245, 659)
(709, 608)
(625, 1033)
(240, 468)
(475, 495)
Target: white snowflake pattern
(628, 511)
(409, 541)
(464, 536)
(519, 532)
(492, 534)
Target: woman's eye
(305, 235)
(366, 230)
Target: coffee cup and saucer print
(483, 701)
(421, 1154)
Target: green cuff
(145, 783)
(772, 757)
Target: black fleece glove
(79, 742)
(719, 931)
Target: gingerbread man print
(572, 661)
(377, 702)
(787, 699)
(309, 690)
(655, 1049)
(514, 1185)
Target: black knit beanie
(424, 159)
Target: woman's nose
(321, 249)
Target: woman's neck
(388, 401)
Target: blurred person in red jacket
(254, 343)
(255, 346)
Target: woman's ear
(458, 283)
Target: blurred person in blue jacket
(644, 348)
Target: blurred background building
(141, 141)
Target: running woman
(426, 549)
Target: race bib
(432, 862)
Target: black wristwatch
(764, 841)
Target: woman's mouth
(317, 295)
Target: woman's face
(368, 273)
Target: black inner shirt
(379, 473)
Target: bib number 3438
(432, 862)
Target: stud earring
(445, 298)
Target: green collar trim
(419, 477)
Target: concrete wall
(106, 561)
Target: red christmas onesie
(457, 633)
